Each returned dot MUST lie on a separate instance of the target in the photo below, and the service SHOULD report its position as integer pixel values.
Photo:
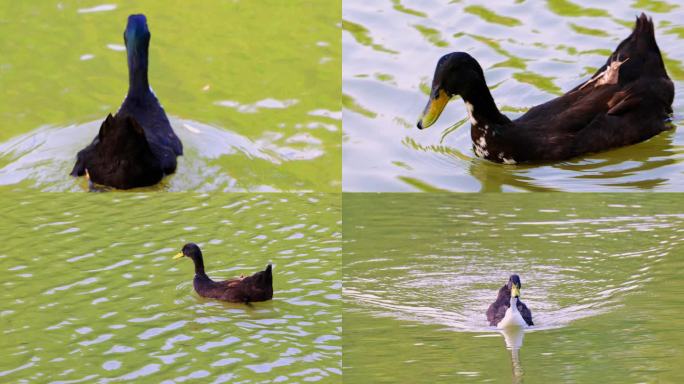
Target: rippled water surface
(601, 274)
(531, 52)
(253, 96)
(91, 294)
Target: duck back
(145, 108)
(119, 156)
(628, 100)
(258, 287)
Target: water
(91, 293)
(530, 52)
(601, 274)
(254, 97)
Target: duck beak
(433, 109)
(515, 291)
(178, 256)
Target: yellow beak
(515, 291)
(433, 109)
(178, 256)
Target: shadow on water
(43, 158)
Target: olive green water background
(254, 96)
(601, 274)
(90, 292)
(531, 52)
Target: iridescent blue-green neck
(137, 38)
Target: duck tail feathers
(267, 275)
(644, 27)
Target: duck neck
(514, 304)
(199, 266)
(137, 67)
(481, 106)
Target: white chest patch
(469, 107)
(512, 319)
(506, 160)
(481, 147)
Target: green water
(601, 274)
(253, 96)
(530, 52)
(91, 294)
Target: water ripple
(44, 157)
(121, 304)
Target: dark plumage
(137, 146)
(628, 100)
(258, 287)
(497, 310)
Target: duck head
(192, 251)
(456, 74)
(137, 33)
(137, 40)
(514, 285)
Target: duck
(508, 311)
(137, 146)
(245, 289)
(628, 100)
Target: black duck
(137, 146)
(628, 100)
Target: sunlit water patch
(530, 53)
(426, 268)
(92, 294)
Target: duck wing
(497, 310)
(626, 101)
(119, 156)
(525, 313)
(258, 287)
(151, 116)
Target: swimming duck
(626, 101)
(508, 311)
(137, 146)
(258, 287)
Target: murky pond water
(253, 96)
(601, 274)
(530, 52)
(91, 294)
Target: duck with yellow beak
(244, 289)
(628, 100)
(508, 311)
